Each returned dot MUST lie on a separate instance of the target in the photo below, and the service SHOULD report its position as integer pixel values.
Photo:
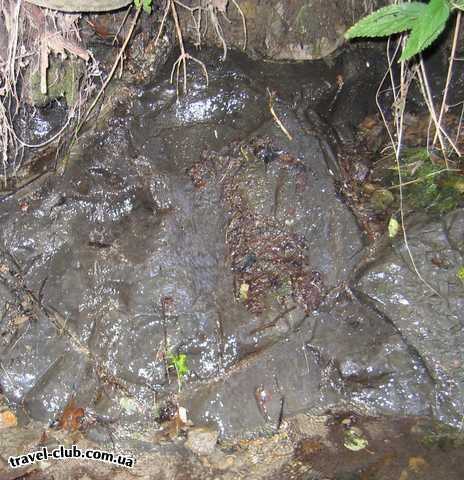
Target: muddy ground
(196, 277)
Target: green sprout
(146, 5)
(179, 362)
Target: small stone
(129, 405)
(202, 440)
(220, 461)
(182, 412)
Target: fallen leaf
(20, 320)
(417, 464)
(182, 413)
(354, 440)
(404, 475)
(71, 417)
(8, 419)
(393, 227)
(43, 438)
(244, 288)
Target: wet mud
(193, 228)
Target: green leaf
(180, 364)
(388, 20)
(147, 6)
(427, 28)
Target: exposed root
(9, 74)
(208, 12)
(34, 33)
(181, 62)
(245, 31)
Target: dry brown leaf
(417, 464)
(20, 320)
(8, 419)
(58, 44)
(71, 417)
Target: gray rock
(201, 440)
(349, 357)
(280, 30)
(430, 321)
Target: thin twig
(389, 72)
(450, 71)
(111, 74)
(245, 31)
(400, 131)
(461, 117)
(118, 31)
(427, 94)
(417, 180)
(399, 104)
(276, 118)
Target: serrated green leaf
(387, 20)
(427, 28)
(138, 4)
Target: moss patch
(62, 82)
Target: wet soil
(193, 230)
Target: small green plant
(429, 186)
(425, 22)
(146, 5)
(460, 273)
(179, 363)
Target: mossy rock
(62, 82)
